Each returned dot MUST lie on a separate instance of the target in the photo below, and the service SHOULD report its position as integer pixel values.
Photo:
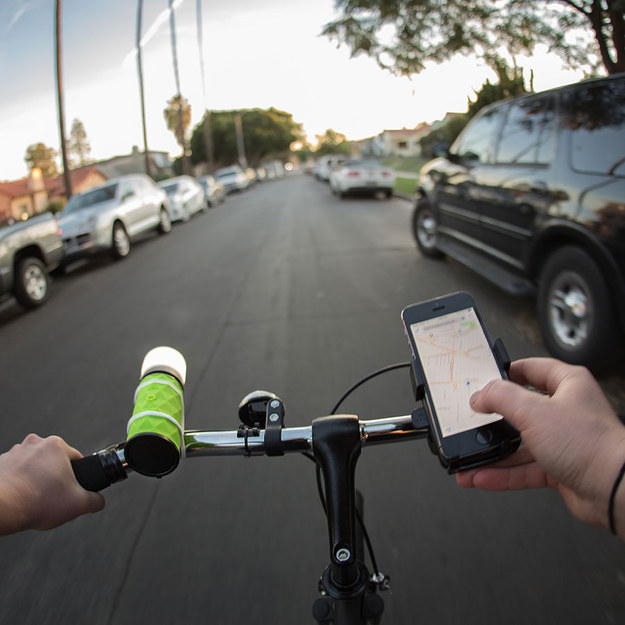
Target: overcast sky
(258, 53)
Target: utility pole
(146, 153)
(208, 131)
(238, 126)
(59, 93)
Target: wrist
(614, 478)
(12, 512)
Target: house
(134, 163)
(403, 142)
(19, 199)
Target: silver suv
(107, 217)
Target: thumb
(514, 403)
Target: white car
(326, 164)
(362, 176)
(232, 178)
(186, 197)
(108, 216)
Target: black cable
(365, 534)
(399, 365)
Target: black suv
(532, 196)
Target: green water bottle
(155, 441)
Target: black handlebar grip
(97, 471)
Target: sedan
(361, 176)
(213, 191)
(186, 197)
(108, 216)
(232, 178)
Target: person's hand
(573, 440)
(38, 489)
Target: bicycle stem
(336, 446)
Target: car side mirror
(441, 149)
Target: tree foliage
(177, 115)
(41, 156)
(511, 84)
(79, 146)
(331, 142)
(403, 35)
(266, 134)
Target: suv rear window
(595, 114)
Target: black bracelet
(619, 477)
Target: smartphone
(453, 357)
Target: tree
(79, 146)
(178, 118)
(511, 83)
(331, 142)
(402, 35)
(267, 133)
(181, 103)
(43, 157)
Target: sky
(257, 54)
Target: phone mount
(419, 416)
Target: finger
(521, 477)
(96, 502)
(521, 457)
(515, 403)
(544, 374)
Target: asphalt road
(289, 289)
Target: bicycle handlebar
(99, 470)
(156, 440)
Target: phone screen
(457, 361)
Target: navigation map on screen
(457, 361)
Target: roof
(54, 186)
(15, 188)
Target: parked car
(325, 165)
(532, 196)
(107, 217)
(232, 178)
(29, 250)
(214, 191)
(186, 197)
(362, 176)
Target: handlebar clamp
(273, 427)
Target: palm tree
(178, 118)
(148, 164)
(59, 93)
(208, 135)
(181, 129)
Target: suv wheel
(32, 285)
(425, 229)
(121, 241)
(576, 314)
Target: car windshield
(91, 198)
(170, 189)
(367, 164)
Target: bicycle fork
(349, 594)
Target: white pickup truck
(29, 251)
